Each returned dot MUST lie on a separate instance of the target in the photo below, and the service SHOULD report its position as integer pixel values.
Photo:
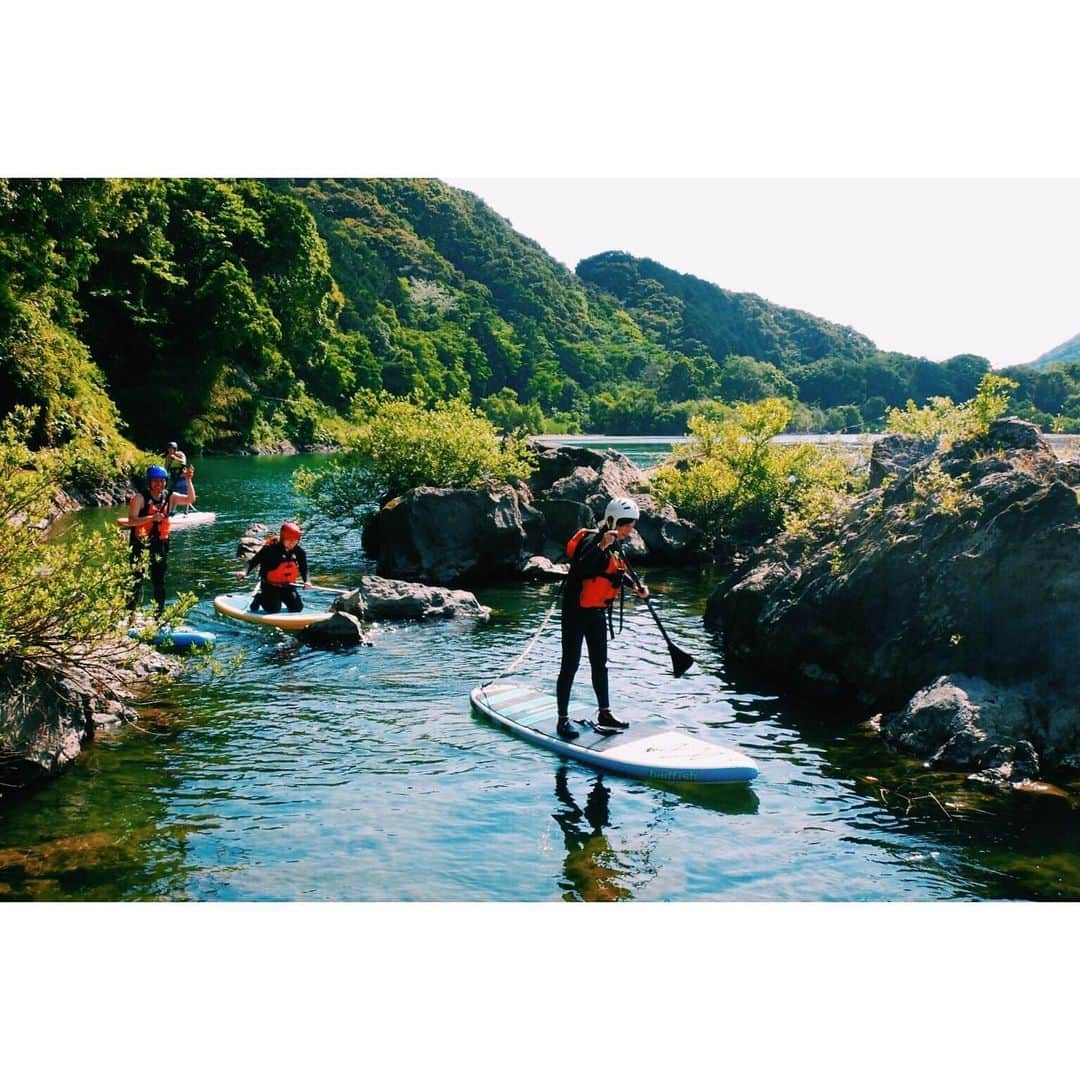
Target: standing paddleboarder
(596, 578)
(148, 518)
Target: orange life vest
(285, 573)
(600, 591)
(161, 506)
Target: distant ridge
(1066, 353)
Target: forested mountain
(237, 313)
(741, 346)
(1066, 353)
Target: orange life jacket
(285, 573)
(600, 591)
(148, 528)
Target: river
(298, 774)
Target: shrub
(941, 419)
(738, 485)
(52, 611)
(401, 444)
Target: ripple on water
(364, 775)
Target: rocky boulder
(254, 537)
(968, 724)
(50, 715)
(446, 535)
(894, 455)
(379, 598)
(341, 630)
(969, 562)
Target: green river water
(299, 774)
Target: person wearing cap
(148, 520)
(596, 577)
(281, 562)
(179, 470)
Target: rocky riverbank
(944, 604)
(49, 715)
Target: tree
(742, 378)
(739, 486)
(67, 598)
(402, 444)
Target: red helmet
(291, 531)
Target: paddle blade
(680, 661)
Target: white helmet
(619, 508)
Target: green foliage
(938, 492)
(402, 444)
(737, 485)
(508, 414)
(941, 419)
(52, 611)
(742, 378)
(990, 402)
(185, 307)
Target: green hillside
(826, 366)
(1067, 352)
(232, 314)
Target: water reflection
(591, 869)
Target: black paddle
(680, 661)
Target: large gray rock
(894, 455)
(379, 598)
(964, 723)
(573, 486)
(968, 562)
(445, 536)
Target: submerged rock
(340, 630)
(254, 537)
(49, 715)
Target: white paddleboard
(180, 520)
(237, 605)
(650, 749)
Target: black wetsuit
(583, 624)
(271, 596)
(159, 554)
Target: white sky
(927, 267)
(615, 88)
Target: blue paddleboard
(180, 638)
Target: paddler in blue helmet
(148, 519)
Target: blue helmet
(157, 472)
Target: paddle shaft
(679, 658)
(317, 588)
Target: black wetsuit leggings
(159, 559)
(271, 597)
(589, 625)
